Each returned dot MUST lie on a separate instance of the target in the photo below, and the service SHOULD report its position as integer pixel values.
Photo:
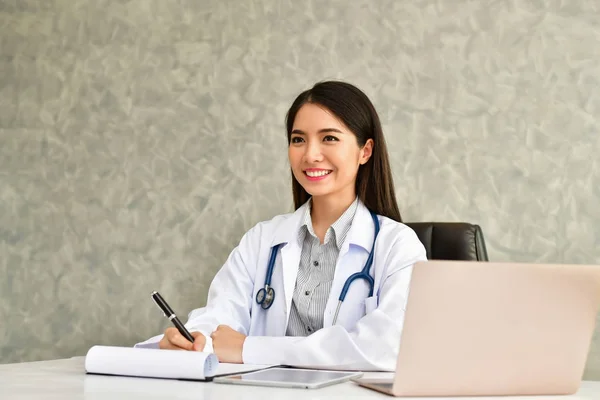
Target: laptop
(487, 329)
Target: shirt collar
(361, 231)
(339, 229)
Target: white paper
(152, 363)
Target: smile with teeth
(316, 174)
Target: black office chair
(451, 240)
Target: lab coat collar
(289, 228)
(361, 232)
(362, 229)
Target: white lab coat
(367, 333)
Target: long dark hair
(374, 182)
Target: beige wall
(140, 139)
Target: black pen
(162, 304)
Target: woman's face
(324, 154)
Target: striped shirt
(316, 271)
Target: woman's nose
(313, 152)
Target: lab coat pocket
(351, 314)
(371, 303)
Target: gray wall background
(140, 139)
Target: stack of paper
(155, 363)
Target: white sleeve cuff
(208, 347)
(151, 343)
(267, 349)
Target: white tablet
(290, 378)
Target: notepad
(155, 363)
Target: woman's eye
(297, 139)
(330, 138)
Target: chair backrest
(451, 240)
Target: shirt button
(307, 292)
(316, 263)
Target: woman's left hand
(228, 344)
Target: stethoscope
(266, 295)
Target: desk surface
(66, 379)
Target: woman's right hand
(173, 340)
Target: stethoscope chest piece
(265, 297)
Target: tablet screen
(292, 376)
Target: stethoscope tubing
(265, 296)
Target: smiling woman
(326, 285)
(340, 112)
(325, 161)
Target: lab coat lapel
(352, 258)
(290, 256)
(287, 233)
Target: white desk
(66, 379)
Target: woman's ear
(366, 152)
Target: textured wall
(140, 139)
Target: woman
(343, 193)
